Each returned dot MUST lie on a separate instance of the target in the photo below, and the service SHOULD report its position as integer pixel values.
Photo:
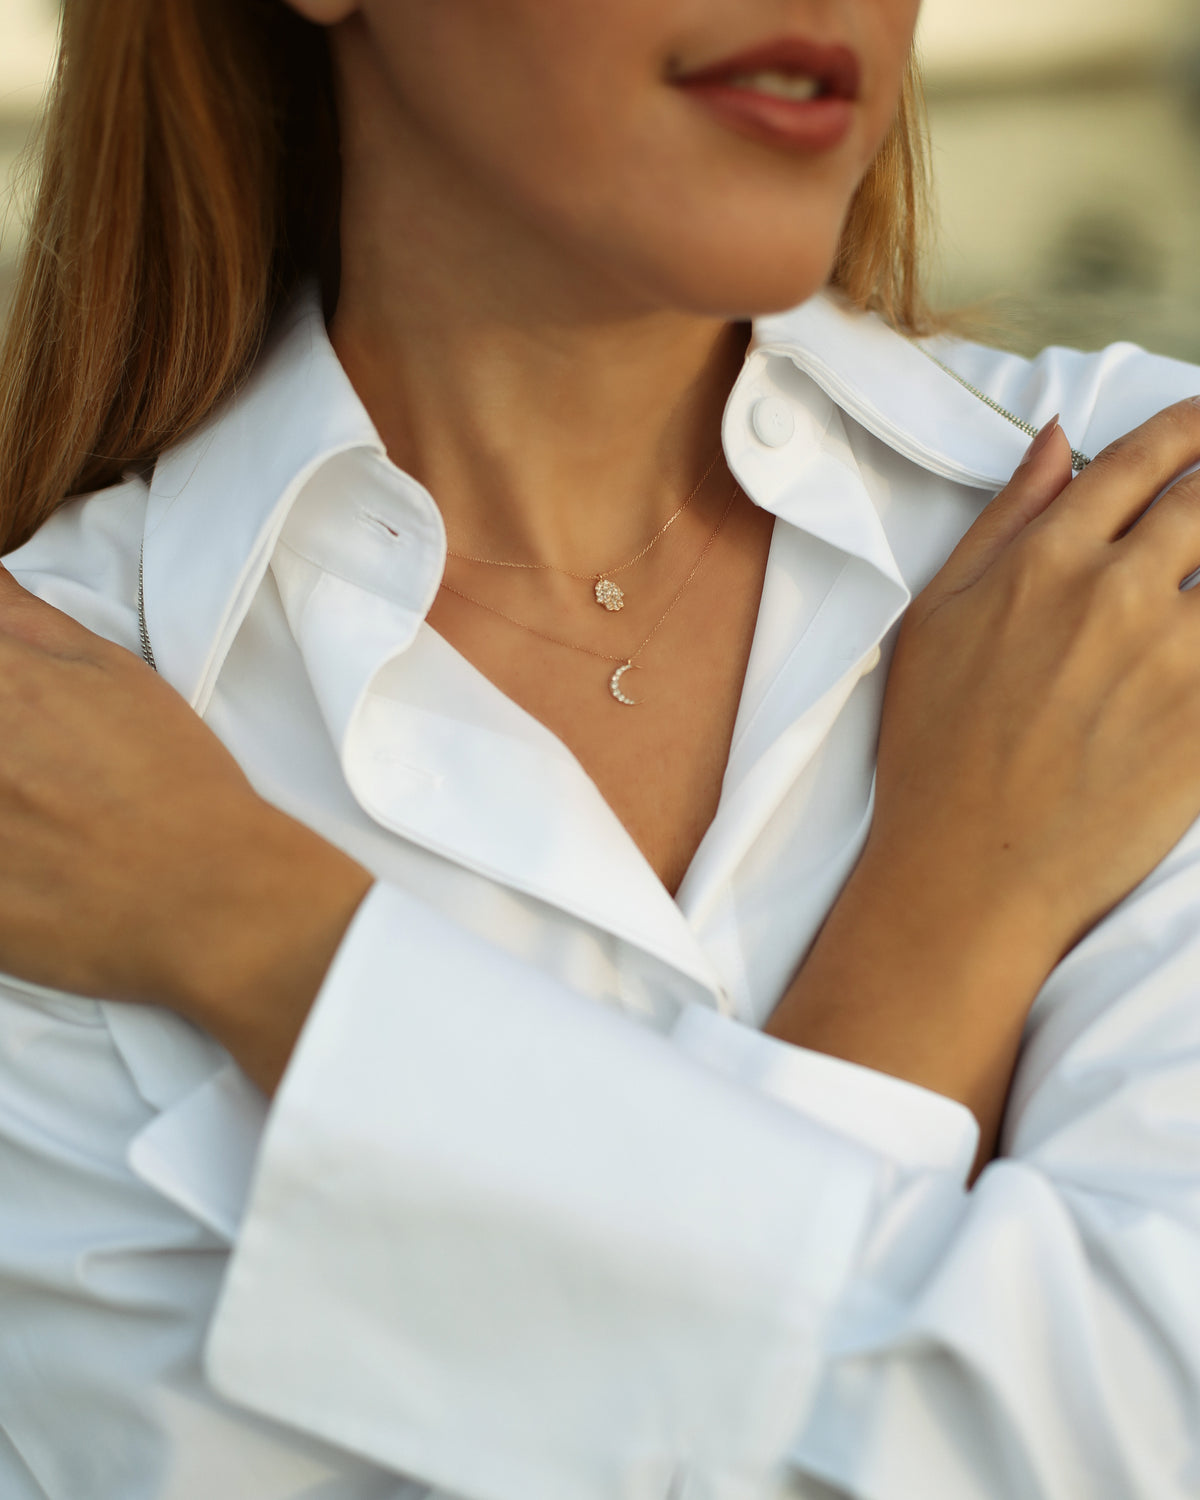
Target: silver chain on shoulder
(144, 634)
(1078, 461)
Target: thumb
(1041, 476)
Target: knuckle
(1180, 418)
(1133, 450)
(1184, 414)
(1185, 493)
(1046, 552)
(1126, 595)
(1169, 668)
(1177, 425)
(1180, 421)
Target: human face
(667, 144)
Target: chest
(446, 787)
(645, 698)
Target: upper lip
(835, 67)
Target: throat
(544, 448)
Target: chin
(740, 277)
(713, 243)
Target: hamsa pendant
(609, 594)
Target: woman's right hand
(1038, 757)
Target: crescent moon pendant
(614, 684)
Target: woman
(504, 804)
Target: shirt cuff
(911, 1126)
(511, 1243)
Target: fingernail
(1040, 441)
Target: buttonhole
(397, 761)
(370, 519)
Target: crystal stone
(609, 594)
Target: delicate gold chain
(607, 655)
(493, 562)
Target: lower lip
(802, 125)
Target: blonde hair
(189, 179)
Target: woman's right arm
(1037, 760)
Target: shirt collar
(219, 499)
(891, 386)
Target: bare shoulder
(84, 560)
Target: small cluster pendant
(609, 594)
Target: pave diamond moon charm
(614, 685)
(609, 594)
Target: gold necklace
(627, 663)
(608, 594)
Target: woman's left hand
(136, 860)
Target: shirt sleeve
(507, 1242)
(1041, 1336)
(911, 1126)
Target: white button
(773, 421)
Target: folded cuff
(513, 1244)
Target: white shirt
(538, 1213)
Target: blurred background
(27, 35)
(1066, 146)
(1066, 137)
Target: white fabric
(538, 1213)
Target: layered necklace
(607, 593)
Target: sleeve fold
(507, 1242)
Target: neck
(556, 415)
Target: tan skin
(659, 767)
(1036, 752)
(580, 305)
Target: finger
(1119, 483)
(1167, 537)
(1040, 478)
(30, 620)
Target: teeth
(782, 85)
